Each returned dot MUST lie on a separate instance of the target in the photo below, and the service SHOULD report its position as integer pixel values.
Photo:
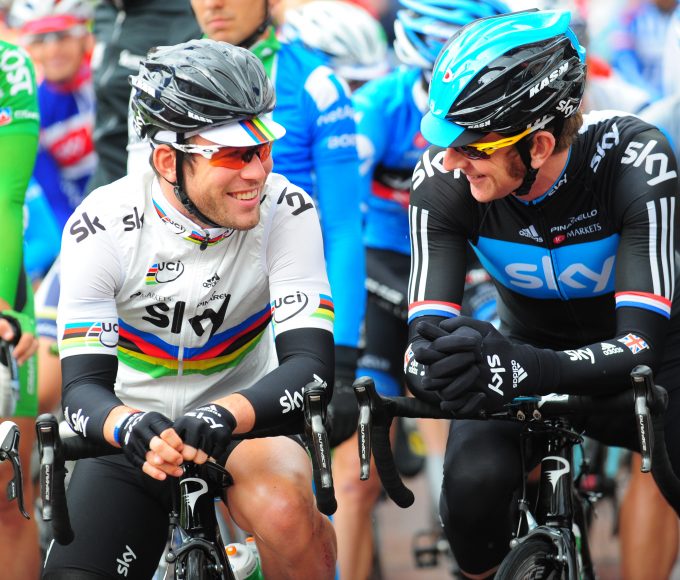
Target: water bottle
(243, 562)
(252, 546)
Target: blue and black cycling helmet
(423, 27)
(505, 74)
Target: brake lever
(643, 384)
(47, 429)
(362, 388)
(9, 449)
(315, 417)
(314, 395)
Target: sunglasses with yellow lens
(477, 151)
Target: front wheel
(533, 559)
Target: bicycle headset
(183, 89)
(506, 74)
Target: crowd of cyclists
(219, 201)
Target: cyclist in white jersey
(169, 282)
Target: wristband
(119, 424)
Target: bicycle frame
(193, 525)
(556, 511)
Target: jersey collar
(182, 226)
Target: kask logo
(163, 272)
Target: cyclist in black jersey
(573, 218)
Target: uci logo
(108, 334)
(288, 306)
(163, 272)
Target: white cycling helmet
(355, 41)
(43, 16)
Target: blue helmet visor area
(445, 133)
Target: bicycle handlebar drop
(55, 449)
(315, 405)
(647, 399)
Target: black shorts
(120, 519)
(386, 331)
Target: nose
(453, 160)
(254, 169)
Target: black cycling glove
(343, 410)
(207, 428)
(137, 431)
(472, 366)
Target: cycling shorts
(386, 332)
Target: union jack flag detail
(634, 343)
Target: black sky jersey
(591, 261)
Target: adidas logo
(531, 232)
(608, 348)
(518, 373)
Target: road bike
(551, 538)
(194, 548)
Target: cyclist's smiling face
(229, 197)
(492, 178)
(230, 21)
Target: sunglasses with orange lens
(226, 156)
(239, 157)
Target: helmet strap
(180, 192)
(524, 149)
(259, 31)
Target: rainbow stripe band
(147, 353)
(150, 278)
(645, 300)
(257, 130)
(82, 334)
(194, 237)
(432, 308)
(326, 310)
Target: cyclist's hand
(471, 365)
(206, 432)
(25, 344)
(143, 438)
(343, 409)
(343, 413)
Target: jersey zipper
(548, 245)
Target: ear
(542, 148)
(163, 159)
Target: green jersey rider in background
(19, 127)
